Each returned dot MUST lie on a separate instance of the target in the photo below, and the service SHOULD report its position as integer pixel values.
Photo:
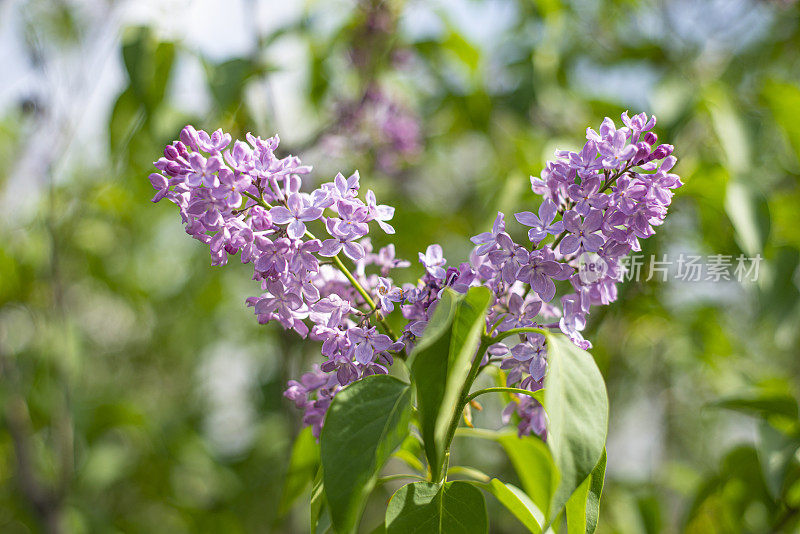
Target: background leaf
(303, 464)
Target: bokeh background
(138, 394)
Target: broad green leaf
(441, 363)
(365, 422)
(517, 502)
(577, 409)
(426, 508)
(534, 465)
(583, 507)
(303, 464)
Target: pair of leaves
(365, 422)
(423, 507)
(440, 366)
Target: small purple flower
(582, 232)
(543, 224)
(380, 212)
(203, 171)
(616, 151)
(486, 241)
(216, 142)
(366, 342)
(231, 187)
(433, 261)
(340, 241)
(585, 162)
(160, 184)
(344, 188)
(280, 301)
(296, 213)
(388, 295)
(387, 260)
(540, 271)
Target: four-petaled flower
(388, 295)
(582, 233)
(543, 224)
(297, 212)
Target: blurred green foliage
(140, 395)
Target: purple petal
(592, 242)
(547, 211)
(569, 245)
(527, 218)
(296, 229)
(330, 247)
(354, 251)
(572, 222)
(280, 215)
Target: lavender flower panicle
(597, 205)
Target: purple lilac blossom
(603, 199)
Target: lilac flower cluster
(597, 204)
(241, 198)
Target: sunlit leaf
(577, 409)
(441, 363)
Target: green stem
(535, 394)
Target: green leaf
(534, 465)
(426, 508)
(749, 212)
(784, 102)
(227, 80)
(577, 408)
(595, 492)
(127, 118)
(441, 364)
(365, 422)
(149, 64)
(517, 502)
(303, 464)
(765, 405)
(317, 503)
(583, 507)
(775, 452)
(576, 508)
(538, 394)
